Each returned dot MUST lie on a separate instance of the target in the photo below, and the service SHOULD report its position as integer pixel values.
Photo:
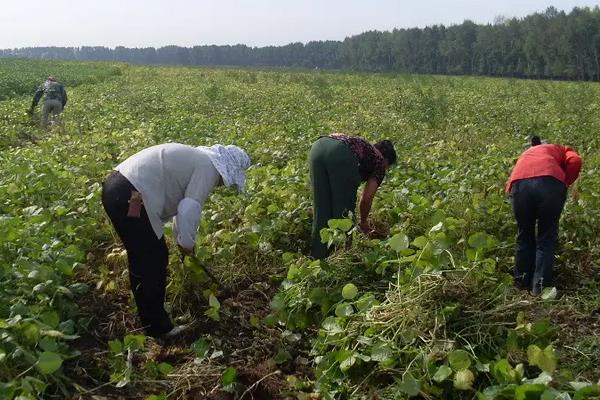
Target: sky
(143, 23)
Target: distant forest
(547, 45)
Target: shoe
(175, 332)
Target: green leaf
(399, 242)
(504, 372)
(213, 314)
(342, 224)
(200, 348)
(229, 376)
(50, 318)
(512, 341)
(214, 302)
(542, 328)
(115, 346)
(544, 359)
(349, 291)
(533, 353)
(346, 358)
(473, 255)
(587, 392)
(478, 240)
(459, 359)
(420, 242)
(278, 302)
(482, 367)
(31, 332)
(165, 368)
(549, 293)
(282, 356)
(410, 385)
(134, 342)
(437, 227)
(331, 326)
(48, 362)
(344, 310)
(442, 373)
(529, 391)
(318, 295)
(365, 302)
(381, 352)
(48, 344)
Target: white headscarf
(231, 162)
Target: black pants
(538, 201)
(147, 255)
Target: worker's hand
(365, 227)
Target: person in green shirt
(55, 100)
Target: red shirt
(558, 161)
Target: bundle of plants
(429, 326)
(462, 307)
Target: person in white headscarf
(160, 183)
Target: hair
(536, 140)
(51, 78)
(386, 148)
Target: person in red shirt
(538, 188)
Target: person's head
(386, 148)
(51, 78)
(231, 162)
(536, 140)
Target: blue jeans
(540, 201)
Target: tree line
(546, 45)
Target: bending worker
(147, 190)
(338, 164)
(538, 187)
(55, 100)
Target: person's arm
(36, 98)
(189, 210)
(572, 166)
(366, 202)
(185, 224)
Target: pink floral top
(370, 160)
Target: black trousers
(147, 255)
(536, 201)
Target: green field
(434, 313)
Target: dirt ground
(239, 340)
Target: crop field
(424, 308)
